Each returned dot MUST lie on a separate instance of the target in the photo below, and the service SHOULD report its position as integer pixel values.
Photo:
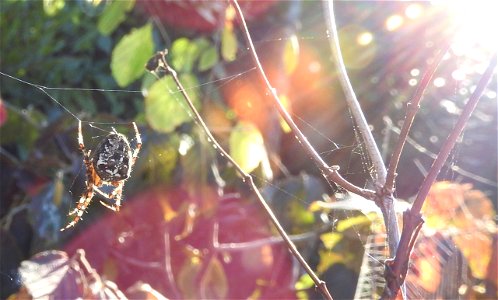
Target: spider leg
(86, 198)
(86, 153)
(139, 144)
(83, 203)
(115, 195)
(80, 138)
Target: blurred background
(189, 227)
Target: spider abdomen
(112, 158)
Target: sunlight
(477, 21)
(394, 22)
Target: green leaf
(130, 55)
(247, 146)
(209, 58)
(228, 44)
(113, 15)
(184, 53)
(21, 130)
(52, 7)
(202, 43)
(165, 107)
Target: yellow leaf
(286, 103)
(247, 146)
(187, 278)
(331, 239)
(291, 54)
(316, 206)
(168, 212)
(230, 13)
(476, 247)
(214, 283)
(228, 43)
(425, 270)
(353, 221)
(327, 259)
(256, 294)
(430, 273)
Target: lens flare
(394, 22)
(476, 21)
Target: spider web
(356, 149)
(369, 275)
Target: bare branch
(352, 101)
(384, 198)
(158, 62)
(452, 138)
(411, 110)
(320, 163)
(337, 178)
(412, 218)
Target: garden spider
(110, 164)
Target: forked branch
(352, 101)
(412, 218)
(330, 173)
(411, 110)
(384, 197)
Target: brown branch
(452, 138)
(384, 198)
(412, 218)
(337, 178)
(352, 101)
(412, 108)
(159, 62)
(320, 163)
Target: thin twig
(328, 172)
(168, 265)
(352, 101)
(413, 218)
(337, 178)
(412, 108)
(159, 62)
(452, 138)
(384, 199)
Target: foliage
(188, 227)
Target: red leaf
(52, 275)
(3, 113)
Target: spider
(109, 165)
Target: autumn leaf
(214, 283)
(476, 247)
(425, 270)
(467, 216)
(247, 146)
(186, 278)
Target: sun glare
(476, 21)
